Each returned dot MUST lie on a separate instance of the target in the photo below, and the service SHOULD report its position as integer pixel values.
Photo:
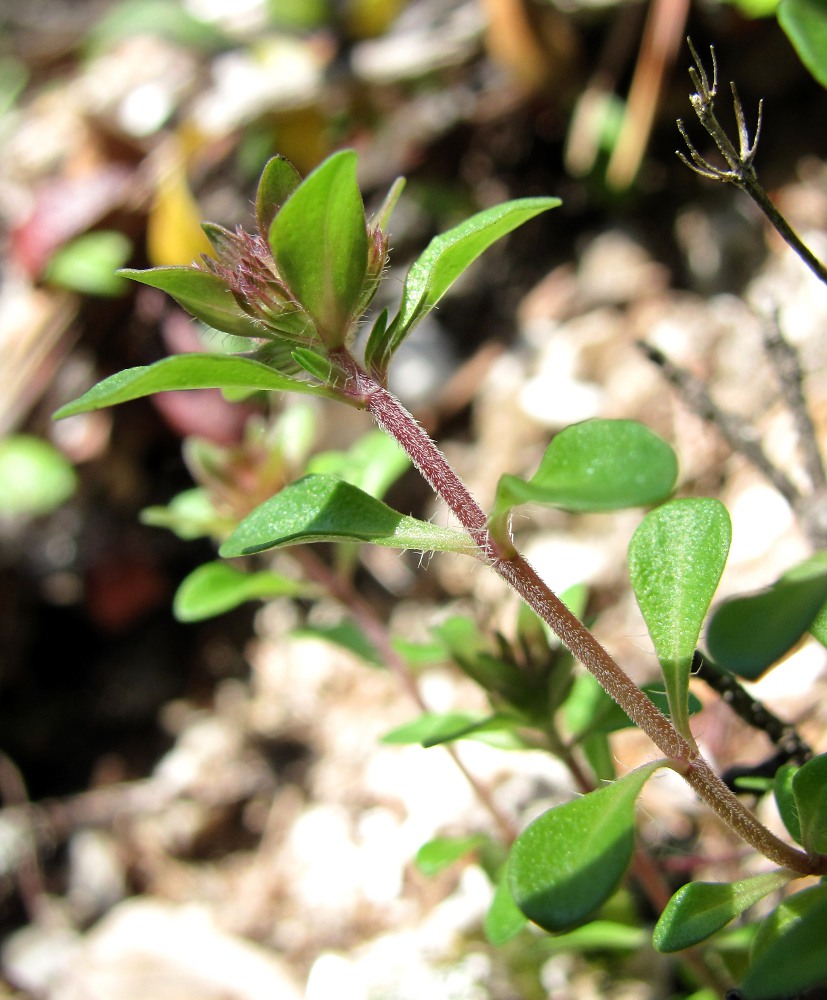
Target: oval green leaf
(699, 909)
(320, 245)
(35, 478)
(448, 255)
(570, 860)
(805, 24)
(809, 786)
(217, 587)
(596, 465)
(676, 557)
(747, 635)
(327, 509)
(788, 953)
(203, 295)
(185, 371)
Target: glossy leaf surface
(217, 587)
(448, 255)
(185, 371)
(748, 634)
(699, 909)
(203, 295)
(327, 509)
(320, 245)
(570, 860)
(594, 466)
(809, 786)
(676, 557)
(788, 953)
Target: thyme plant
(292, 295)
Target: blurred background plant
(123, 125)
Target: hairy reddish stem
(395, 420)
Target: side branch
(392, 417)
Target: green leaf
(346, 635)
(815, 565)
(748, 634)
(589, 709)
(788, 953)
(448, 255)
(432, 729)
(570, 860)
(441, 852)
(596, 465)
(185, 371)
(676, 557)
(805, 24)
(217, 587)
(203, 295)
(699, 909)
(327, 509)
(189, 515)
(372, 464)
(88, 264)
(35, 478)
(785, 800)
(809, 785)
(279, 180)
(600, 935)
(320, 245)
(504, 919)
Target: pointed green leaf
(441, 852)
(432, 729)
(326, 509)
(699, 909)
(320, 245)
(504, 919)
(809, 784)
(570, 860)
(785, 800)
(217, 587)
(805, 24)
(377, 345)
(788, 953)
(676, 557)
(748, 634)
(448, 255)
(814, 566)
(203, 295)
(596, 465)
(347, 635)
(279, 180)
(185, 371)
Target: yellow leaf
(174, 234)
